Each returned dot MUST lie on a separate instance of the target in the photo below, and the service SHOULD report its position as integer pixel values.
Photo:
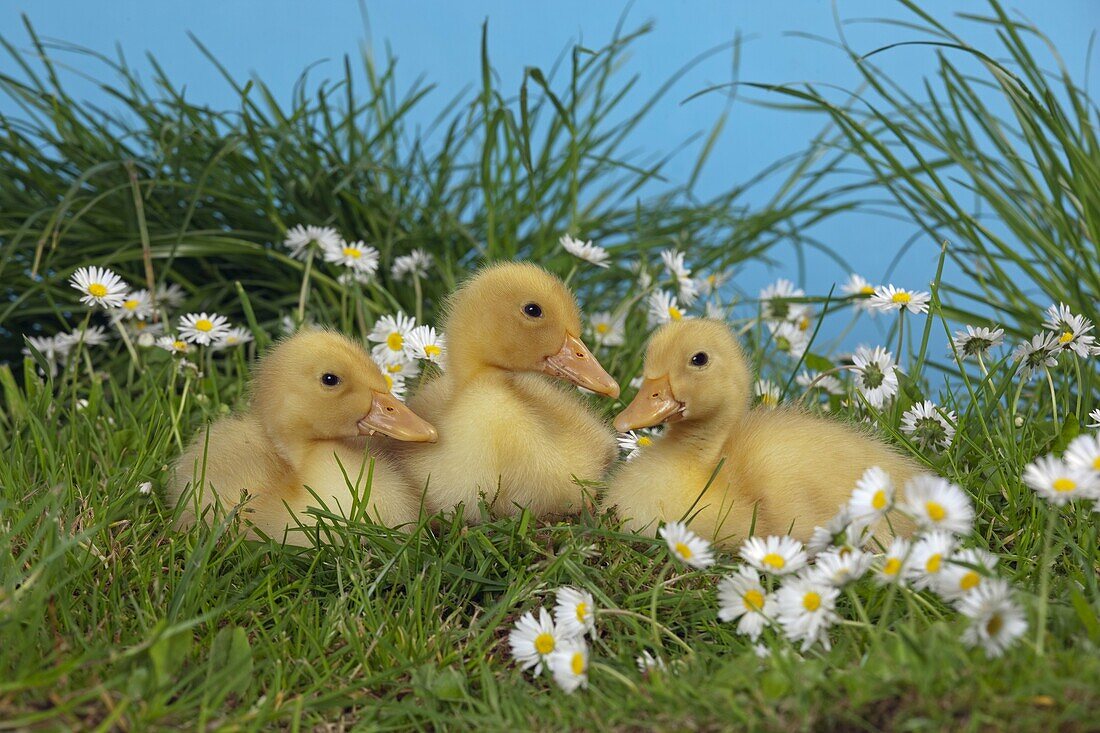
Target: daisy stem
(1080, 387)
(1044, 581)
(572, 272)
(656, 625)
(419, 298)
(179, 412)
(126, 340)
(653, 602)
(612, 672)
(860, 610)
(1053, 398)
(1016, 396)
(304, 291)
(819, 377)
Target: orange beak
(575, 362)
(653, 404)
(389, 416)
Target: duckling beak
(653, 404)
(389, 416)
(575, 362)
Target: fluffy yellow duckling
(316, 397)
(506, 430)
(792, 468)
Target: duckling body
(506, 430)
(299, 433)
(775, 471)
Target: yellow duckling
(316, 397)
(506, 429)
(790, 469)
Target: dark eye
(533, 310)
(700, 359)
(330, 380)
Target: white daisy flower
(1071, 331)
(893, 567)
(767, 391)
(1041, 352)
(965, 571)
(715, 311)
(99, 286)
(775, 555)
(857, 285)
(203, 328)
(137, 304)
(359, 257)
(607, 328)
(569, 664)
(713, 282)
(789, 338)
(804, 608)
(936, 503)
(1084, 453)
(174, 345)
(996, 619)
(586, 251)
(91, 336)
(396, 385)
(876, 375)
(888, 298)
(145, 488)
(424, 343)
(534, 640)
(929, 558)
(633, 442)
(873, 497)
(813, 380)
(641, 272)
(415, 263)
(774, 300)
(840, 567)
(406, 368)
(1095, 417)
(741, 597)
(664, 308)
(1059, 482)
(928, 428)
(575, 612)
(390, 333)
(977, 341)
(686, 545)
(52, 348)
(170, 295)
(145, 333)
(236, 336)
(301, 239)
(647, 662)
(685, 286)
(841, 531)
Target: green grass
(109, 619)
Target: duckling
(316, 398)
(787, 470)
(506, 430)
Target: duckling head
(319, 385)
(519, 318)
(694, 372)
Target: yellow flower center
(674, 313)
(753, 600)
(775, 560)
(544, 643)
(994, 625)
(432, 350)
(602, 328)
(803, 323)
(1062, 485)
(769, 399)
(395, 368)
(204, 325)
(97, 290)
(811, 601)
(582, 611)
(645, 441)
(577, 663)
(935, 510)
(230, 339)
(352, 253)
(933, 563)
(902, 298)
(140, 326)
(389, 381)
(683, 551)
(970, 580)
(131, 304)
(1096, 464)
(179, 345)
(395, 341)
(878, 501)
(892, 566)
(867, 290)
(1066, 337)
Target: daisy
(664, 308)
(607, 328)
(841, 531)
(767, 391)
(145, 488)
(91, 336)
(586, 251)
(51, 347)
(1084, 453)
(925, 424)
(569, 664)
(647, 662)
(236, 336)
(977, 341)
(840, 567)
(355, 277)
(965, 571)
(938, 504)
(361, 258)
(406, 368)
(996, 619)
(775, 555)
(396, 384)
(873, 497)
(876, 375)
(741, 597)
(929, 558)
(170, 295)
(575, 612)
(1040, 352)
(415, 263)
(203, 328)
(1095, 417)
(99, 286)
(534, 640)
(137, 304)
(857, 285)
(716, 311)
(686, 545)
(632, 443)
(301, 239)
(390, 333)
(894, 565)
(685, 286)
(813, 380)
(804, 608)
(1072, 331)
(789, 338)
(712, 282)
(888, 298)
(173, 345)
(774, 305)
(1059, 482)
(424, 343)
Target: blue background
(440, 41)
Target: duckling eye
(330, 380)
(533, 310)
(700, 359)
